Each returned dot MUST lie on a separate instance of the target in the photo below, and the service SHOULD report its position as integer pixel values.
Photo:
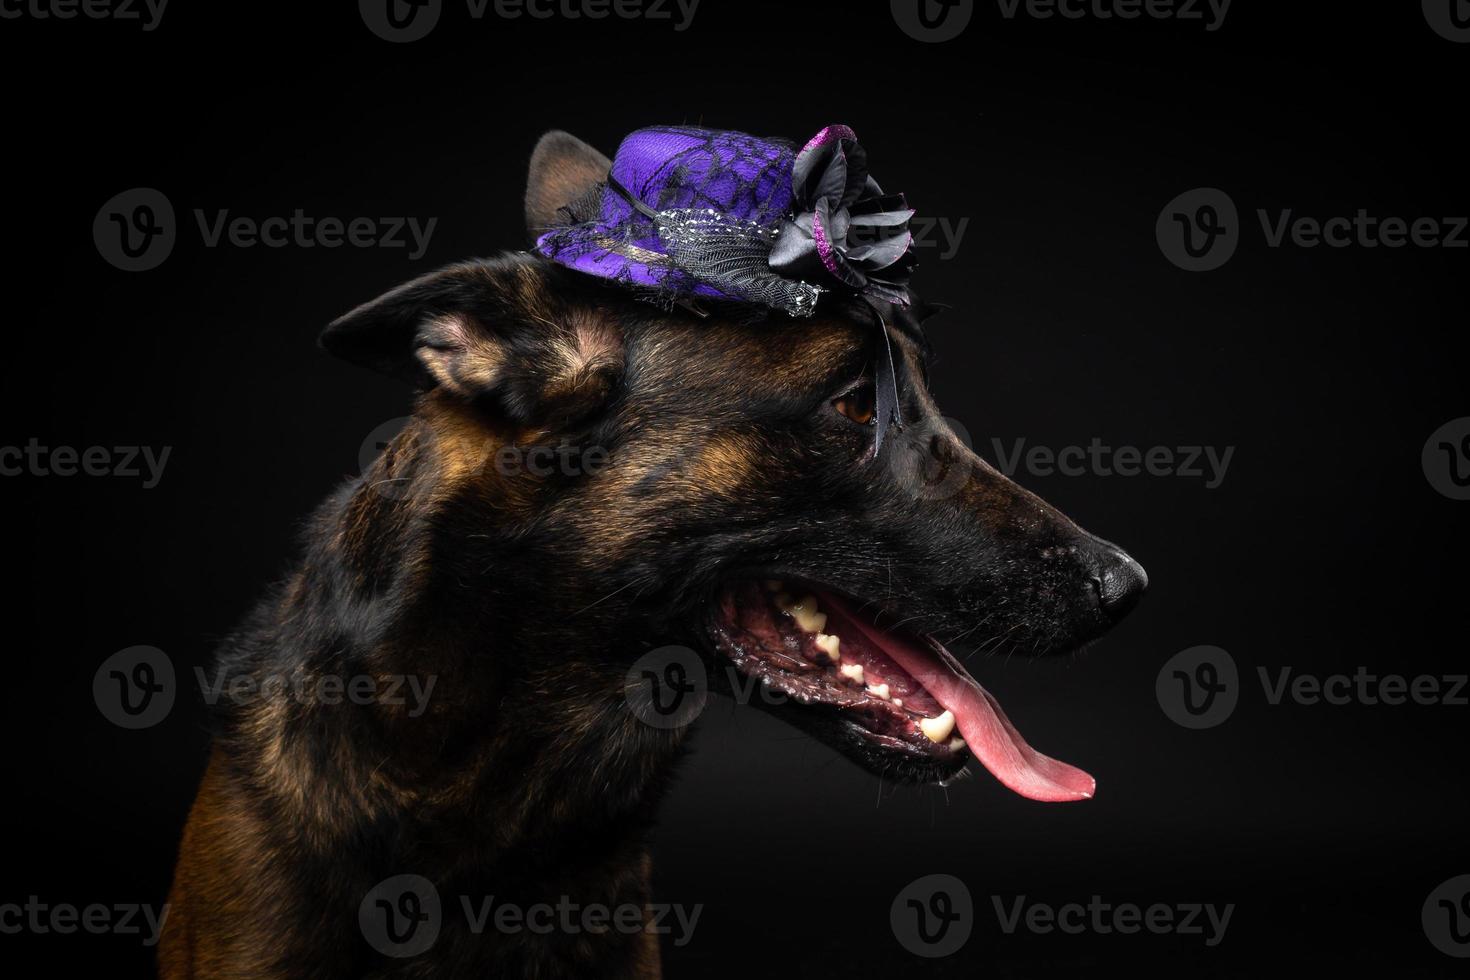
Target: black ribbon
(628, 196)
(885, 381)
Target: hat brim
(596, 252)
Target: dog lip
(777, 639)
(996, 742)
(765, 641)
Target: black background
(1324, 549)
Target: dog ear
(563, 169)
(490, 332)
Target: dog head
(596, 476)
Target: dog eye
(858, 404)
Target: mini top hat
(688, 212)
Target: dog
(738, 507)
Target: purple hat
(687, 212)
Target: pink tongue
(986, 729)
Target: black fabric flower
(845, 228)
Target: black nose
(1120, 582)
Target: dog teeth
(956, 743)
(938, 729)
(898, 702)
(879, 690)
(831, 645)
(853, 672)
(805, 612)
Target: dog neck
(495, 754)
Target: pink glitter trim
(837, 131)
(824, 246)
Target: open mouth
(897, 697)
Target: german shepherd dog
(741, 511)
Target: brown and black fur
(527, 596)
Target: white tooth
(831, 645)
(898, 702)
(938, 729)
(853, 672)
(956, 743)
(880, 690)
(807, 615)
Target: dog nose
(1120, 582)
